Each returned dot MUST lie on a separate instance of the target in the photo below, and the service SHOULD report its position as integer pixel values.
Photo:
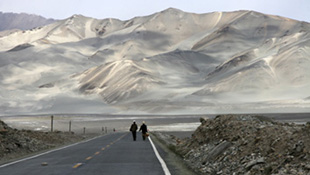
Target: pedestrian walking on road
(143, 128)
(134, 129)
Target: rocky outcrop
(245, 144)
(16, 143)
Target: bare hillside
(167, 62)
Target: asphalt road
(115, 154)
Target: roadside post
(70, 126)
(52, 123)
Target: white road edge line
(161, 161)
(21, 160)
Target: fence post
(70, 126)
(84, 130)
(52, 123)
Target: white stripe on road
(8, 164)
(162, 162)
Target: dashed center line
(98, 152)
(77, 165)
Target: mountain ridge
(22, 21)
(167, 62)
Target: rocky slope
(245, 144)
(167, 62)
(17, 143)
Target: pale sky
(127, 9)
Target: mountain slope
(167, 62)
(22, 21)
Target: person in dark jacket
(143, 128)
(134, 129)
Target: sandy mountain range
(167, 62)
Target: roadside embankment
(18, 143)
(245, 144)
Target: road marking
(161, 161)
(77, 165)
(97, 153)
(28, 158)
(102, 149)
(88, 158)
(54, 150)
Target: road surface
(115, 154)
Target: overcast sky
(127, 9)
